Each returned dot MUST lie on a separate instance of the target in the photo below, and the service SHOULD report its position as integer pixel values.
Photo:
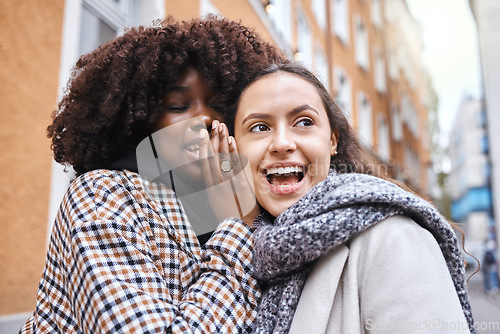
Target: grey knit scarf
(330, 214)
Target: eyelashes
(263, 127)
(259, 127)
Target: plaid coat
(120, 262)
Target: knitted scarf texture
(330, 214)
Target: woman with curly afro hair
(121, 260)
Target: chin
(276, 210)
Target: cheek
(320, 163)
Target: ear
(334, 141)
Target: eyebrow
(294, 111)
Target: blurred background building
(470, 176)
(486, 15)
(367, 52)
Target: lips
(284, 178)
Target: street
(485, 308)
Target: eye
(218, 107)
(176, 108)
(260, 127)
(305, 122)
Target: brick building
(366, 51)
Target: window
(94, 31)
(389, 10)
(409, 114)
(321, 67)
(376, 13)
(279, 13)
(206, 7)
(304, 38)
(319, 9)
(340, 15)
(487, 171)
(412, 164)
(397, 126)
(393, 65)
(365, 119)
(481, 118)
(484, 144)
(343, 88)
(379, 71)
(383, 139)
(102, 21)
(361, 43)
(414, 121)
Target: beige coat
(392, 278)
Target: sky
(451, 53)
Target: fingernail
(202, 133)
(230, 140)
(214, 125)
(221, 127)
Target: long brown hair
(352, 157)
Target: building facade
(367, 52)
(485, 13)
(470, 175)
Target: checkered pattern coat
(119, 262)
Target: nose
(282, 141)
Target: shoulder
(397, 246)
(106, 194)
(399, 229)
(104, 178)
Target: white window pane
(365, 119)
(383, 139)
(343, 88)
(281, 18)
(361, 43)
(94, 31)
(376, 13)
(397, 126)
(379, 71)
(207, 8)
(319, 9)
(304, 40)
(321, 67)
(340, 14)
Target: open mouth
(284, 176)
(193, 148)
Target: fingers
(214, 141)
(218, 150)
(223, 139)
(233, 148)
(206, 151)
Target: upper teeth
(194, 147)
(285, 170)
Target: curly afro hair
(114, 95)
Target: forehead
(279, 80)
(191, 76)
(282, 89)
